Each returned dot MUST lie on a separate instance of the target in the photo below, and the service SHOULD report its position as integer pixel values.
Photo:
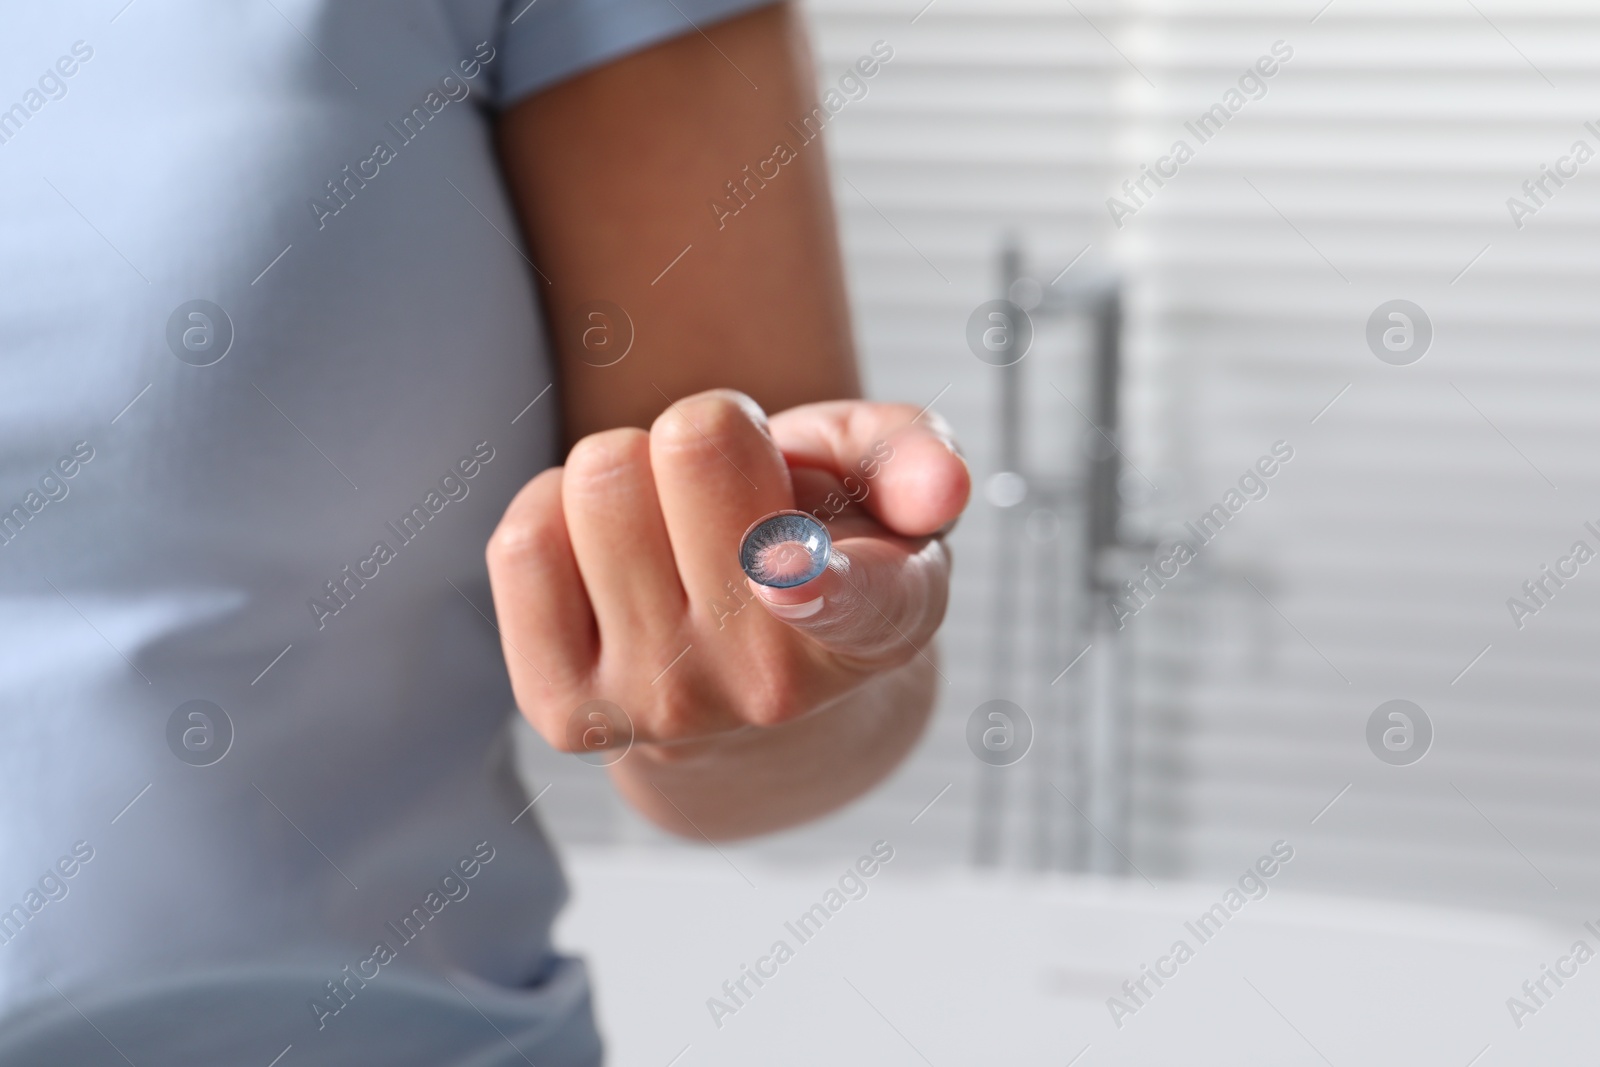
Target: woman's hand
(616, 578)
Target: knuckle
(774, 693)
(529, 523)
(569, 723)
(773, 709)
(714, 418)
(513, 539)
(601, 456)
(680, 714)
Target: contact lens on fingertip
(785, 549)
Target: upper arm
(615, 173)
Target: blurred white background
(1376, 166)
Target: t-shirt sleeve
(543, 42)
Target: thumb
(879, 599)
(906, 461)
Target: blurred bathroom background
(1376, 165)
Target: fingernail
(795, 611)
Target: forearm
(763, 779)
(615, 174)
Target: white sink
(954, 969)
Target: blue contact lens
(785, 549)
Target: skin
(608, 568)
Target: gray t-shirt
(268, 346)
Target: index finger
(916, 482)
